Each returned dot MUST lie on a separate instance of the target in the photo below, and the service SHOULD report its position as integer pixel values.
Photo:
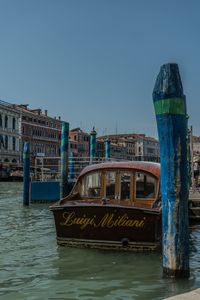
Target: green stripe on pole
(170, 106)
(26, 155)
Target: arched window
(13, 123)
(6, 121)
(6, 142)
(14, 143)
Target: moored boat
(113, 205)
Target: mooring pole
(71, 166)
(92, 145)
(64, 160)
(170, 110)
(26, 173)
(107, 149)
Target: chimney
(46, 112)
(59, 118)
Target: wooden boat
(16, 175)
(113, 205)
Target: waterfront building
(41, 131)
(117, 151)
(100, 149)
(133, 146)
(196, 145)
(147, 148)
(10, 143)
(79, 142)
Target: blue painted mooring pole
(171, 116)
(26, 174)
(107, 149)
(64, 160)
(93, 145)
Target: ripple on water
(32, 266)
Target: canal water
(33, 267)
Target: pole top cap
(168, 83)
(93, 132)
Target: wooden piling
(107, 149)
(92, 145)
(64, 160)
(171, 116)
(26, 174)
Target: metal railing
(49, 168)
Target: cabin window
(146, 186)
(91, 185)
(110, 184)
(125, 185)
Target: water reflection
(32, 266)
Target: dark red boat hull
(107, 226)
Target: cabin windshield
(91, 185)
(146, 186)
(125, 185)
(129, 186)
(110, 184)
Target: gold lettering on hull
(109, 220)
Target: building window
(6, 142)
(14, 143)
(0, 120)
(1, 141)
(13, 124)
(6, 121)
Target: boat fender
(125, 242)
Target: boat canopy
(142, 166)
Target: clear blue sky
(94, 62)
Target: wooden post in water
(64, 160)
(107, 149)
(26, 174)
(93, 145)
(170, 110)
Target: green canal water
(32, 266)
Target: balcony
(9, 131)
(10, 152)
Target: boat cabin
(123, 183)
